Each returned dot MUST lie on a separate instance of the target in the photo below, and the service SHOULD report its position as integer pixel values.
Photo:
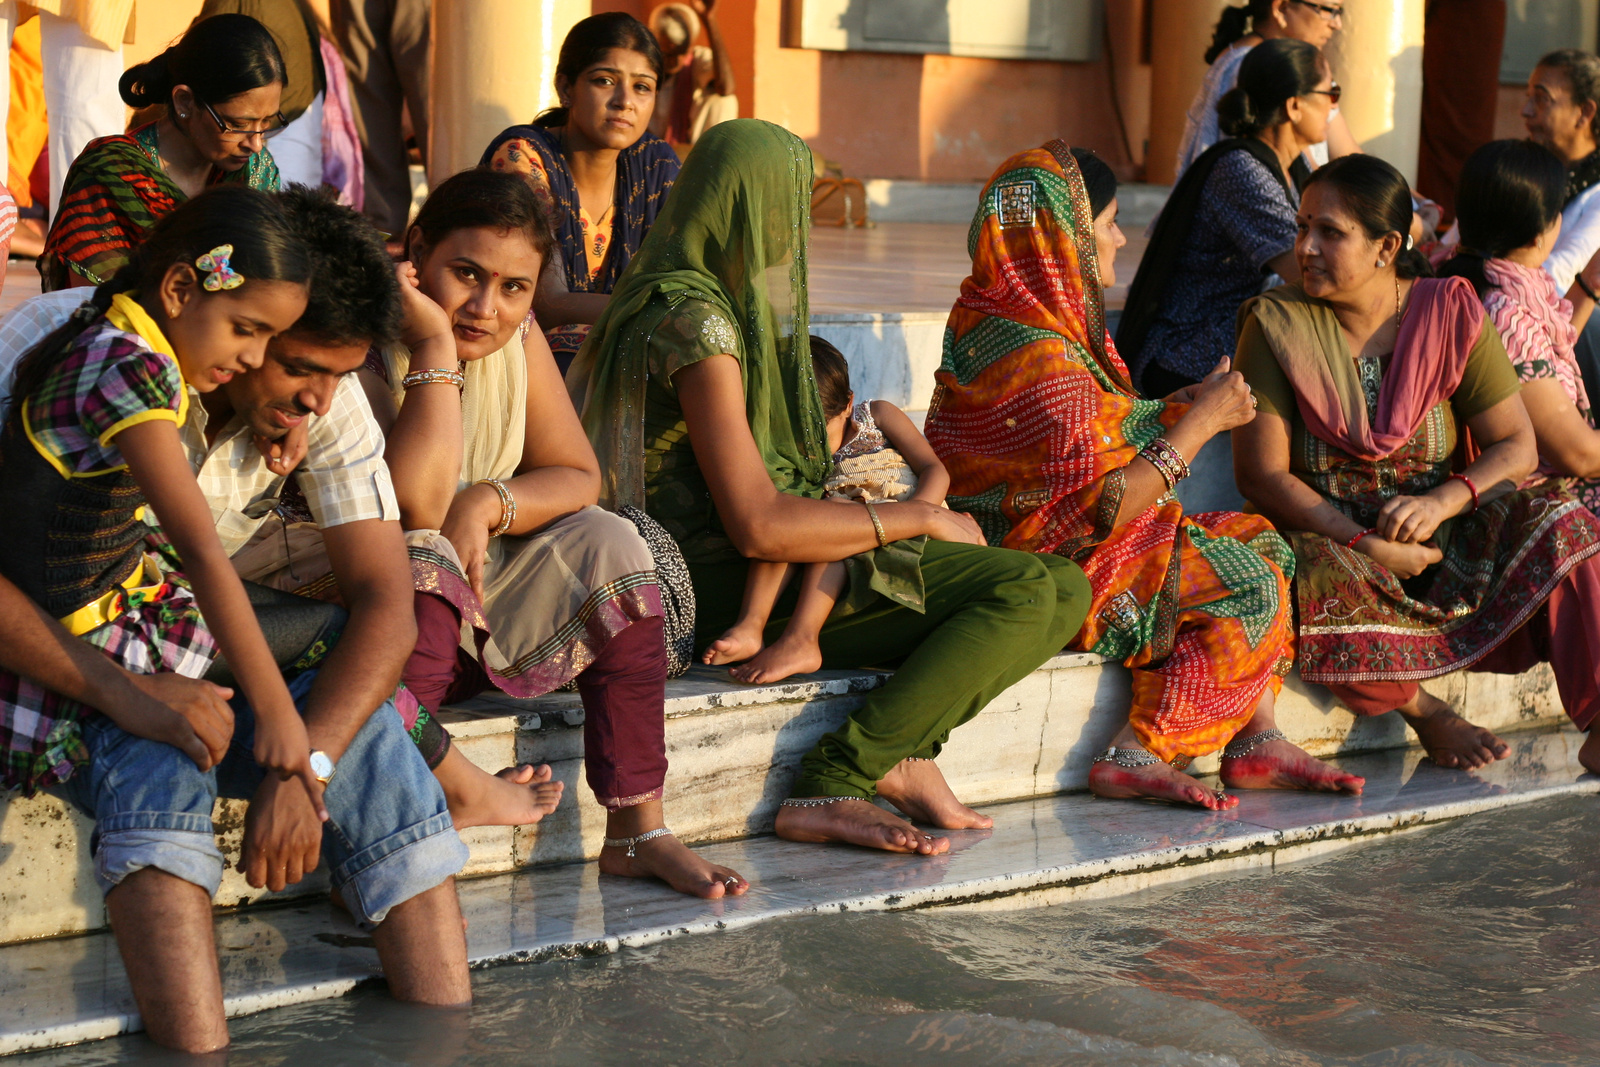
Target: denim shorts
(388, 836)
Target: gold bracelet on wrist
(434, 377)
(877, 524)
(508, 505)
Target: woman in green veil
(696, 391)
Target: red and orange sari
(1037, 422)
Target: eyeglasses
(1329, 12)
(274, 126)
(1332, 94)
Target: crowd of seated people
(381, 491)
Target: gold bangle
(877, 525)
(508, 505)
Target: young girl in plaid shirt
(92, 439)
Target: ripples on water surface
(1471, 943)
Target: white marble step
(1042, 851)
(733, 751)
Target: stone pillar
(1377, 58)
(494, 65)
(1180, 32)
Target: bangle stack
(434, 377)
(508, 505)
(1168, 461)
(877, 524)
(1351, 544)
(1464, 480)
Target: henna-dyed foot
(917, 787)
(1155, 781)
(1589, 754)
(784, 657)
(676, 864)
(1284, 765)
(741, 641)
(1450, 740)
(856, 822)
(517, 796)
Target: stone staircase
(733, 752)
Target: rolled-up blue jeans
(388, 837)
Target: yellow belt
(144, 583)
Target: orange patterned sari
(1037, 422)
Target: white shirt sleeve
(344, 476)
(1580, 237)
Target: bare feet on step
(918, 788)
(740, 642)
(676, 864)
(1450, 740)
(852, 821)
(1284, 765)
(1156, 781)
(1589, 754)
(517, 796)
(784, 657)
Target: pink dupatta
(1441, 323)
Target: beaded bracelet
(1167, 460)
(877, 525)
(1351, 544)
(434, 377)
(508, 505)
(1470, 487)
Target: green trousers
(993, 616)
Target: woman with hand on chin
(497, 486)
(1405, 568)
(595, 165)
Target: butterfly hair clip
(218, 274)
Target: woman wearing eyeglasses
(1241, 29)
(222, 86)
(1230, 222)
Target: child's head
(220, 275)
(833, 387)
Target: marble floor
(911, 266)
(1048, 850)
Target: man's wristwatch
(322, 766)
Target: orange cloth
(27, 126)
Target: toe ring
(1242, 746)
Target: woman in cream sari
(498, 484)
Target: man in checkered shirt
(162, 920)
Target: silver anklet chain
(814, 802)
(629, 843)
(919, 759)
(1242, 746)
(1129, 758)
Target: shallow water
(1475, 942)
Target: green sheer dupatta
(733, 233)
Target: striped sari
(115, 191)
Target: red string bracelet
(1351, 544)
(1470, 487)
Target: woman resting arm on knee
(698, 393)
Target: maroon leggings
(623, 690)
(1564, 632)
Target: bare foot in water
(856, 822)
(1450, 740)
(1589, 754)
(517, 796)
(784, 657)
(676, 864)
(740, 641)
(917, 787)
(1284, 765)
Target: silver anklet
(919, 759)
(1242, 746)
(814, 802)
(629, 842)
(1129, 758)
